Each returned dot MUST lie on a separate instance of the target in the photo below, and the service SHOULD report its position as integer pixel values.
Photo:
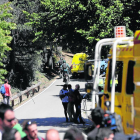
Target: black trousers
(65, 105)
(6, 99)
(78, 113)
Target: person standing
(71, 103)
(7, 95)
(64, 97)
(78, 100)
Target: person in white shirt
(64, 97)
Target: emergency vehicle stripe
(124, 49)
(137, 36)
(137, 42)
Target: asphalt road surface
(47, 110)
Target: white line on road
(36, 95)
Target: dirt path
(68, 57)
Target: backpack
(114, 122)
(64, 66)
(2, 90)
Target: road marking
(35, 96)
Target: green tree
(78, 24)
(5, 35)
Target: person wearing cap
(30, 128)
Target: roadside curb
(37, 94)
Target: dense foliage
(5, 36)
(73, 24)
(25, 57)
(78, 24)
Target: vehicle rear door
(136, 109)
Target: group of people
(100, 131)
(10, 129)
(71, 99)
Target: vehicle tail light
(71, 66)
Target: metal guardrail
(27, 92)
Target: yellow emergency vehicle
(78, 61)
(123, 66)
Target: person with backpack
(65, 67)
(7, 93)
(77, 102)
(64, 97)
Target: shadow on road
(78, 80)
(55, 122)
(59, 85)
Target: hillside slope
(45, 78)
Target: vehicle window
(130, 84)
(118, 76)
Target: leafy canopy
(5, 30)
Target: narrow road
(47, 110)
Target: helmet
(64, 61)
(61, 58)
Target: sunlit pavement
(47, 110)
